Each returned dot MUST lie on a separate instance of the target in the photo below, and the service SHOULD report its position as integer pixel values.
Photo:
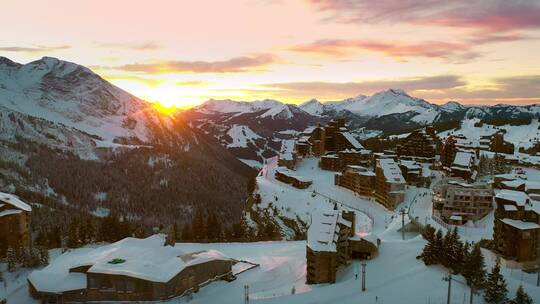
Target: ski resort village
(432, 217)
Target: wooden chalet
(128, 270)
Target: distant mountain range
(391, 111)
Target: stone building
(14, 223)
(460, 202)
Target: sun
(164, 109)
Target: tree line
(466, 259)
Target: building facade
(128, 270)
(516, 229)
(14, 223)
(422, 143)
(328, 244)
(460, 202)
(290, 177)
(389, 183)
(358, 179)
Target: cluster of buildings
(14, 223)
(334, 144)
(341, 152)
(129, 270)
(332, 241)
(516, 231)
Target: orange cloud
(433, 49)
(233, 65)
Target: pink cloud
(491, 16)
(432, 49)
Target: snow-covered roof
(293, 174)
(10, 212)
(513, 183)
(309, 130)
(391, 170)
(510, 176)
(352, 140)
(360, 170)
(520, 198)
(323, 232)
(521, 225)
(14, 201)
(410, 164)
(56, 282)
(463, 159)
(145, 259)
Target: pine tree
(43, 256)
(474, 270)
(187, 234)
(73, 234)
(11, 257)
(495, 286)
(521, 297)
(429, 253)
(171, 236)
(455, 257)
(428, 233)
(89, 231)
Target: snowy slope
(313, 107)
(72, 95)
(241, 136)
(521, 136)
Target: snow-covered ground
(394, 276)
(241, 136)
(521, 136)
(292, 202)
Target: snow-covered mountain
(74, 96)
(68, 134)
(391, 111)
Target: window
(92, 283)
(120, 285)
(105, 283)
(130, 286)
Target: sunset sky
(185, 52)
